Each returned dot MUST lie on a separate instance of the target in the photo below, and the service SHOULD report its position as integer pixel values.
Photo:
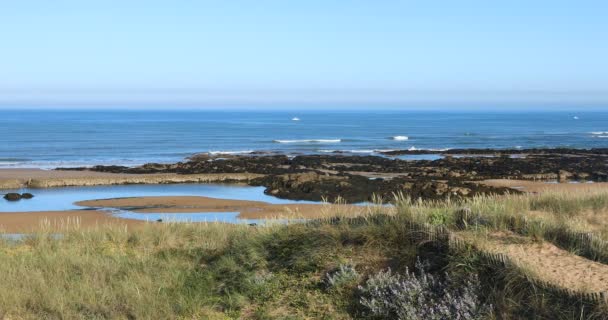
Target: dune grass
(221, 271)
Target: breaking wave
(309, 141)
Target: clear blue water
(72, 138)
(64, 198)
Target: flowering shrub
(422, 296)
(343, 275)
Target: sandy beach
(38, 178)
(540, 186)
(247, 209)
(22, 222)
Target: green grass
(218, 271)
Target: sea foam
(400, 138)
(309, 141)
(230, 152)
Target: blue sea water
(51, 138)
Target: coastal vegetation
(488, 257)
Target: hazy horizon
(271, 54)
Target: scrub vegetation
(419, 260)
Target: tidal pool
(415, 157)
(55, 199)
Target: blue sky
(214, 53)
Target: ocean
(51, 138)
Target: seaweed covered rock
(12, 196)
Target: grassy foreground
(324, 269)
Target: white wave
(602, 136)
(431, 149)
(400, 138)
(355, 151)
(362, 151)
(48, 165)
(346, 151)
(230, 152)
(309, 141)
(9, 163)
(599, 133)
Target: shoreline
(460, 173)
(247, 209)
(93, 215)
(39, 178)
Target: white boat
(575, 117)
(295, 119)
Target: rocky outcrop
(354, 188)
(357, 178)
(13, 196)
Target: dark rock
(12, 196)
(354, 188)
(356, 178)
(26, 195)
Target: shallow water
(224, 217)
(54, 199)
(414, 157)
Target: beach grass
(276, 271)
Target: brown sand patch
(247, 209)
(25, 222)
(37, 178)
(548, 262)
(540, 187)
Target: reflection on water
(54, 199)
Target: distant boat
(575, 117)
(295, 119)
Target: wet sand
(37, 178)
(24, 222)
(247, 209)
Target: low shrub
(345, 274)
(388, 295)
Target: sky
(277, 53)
